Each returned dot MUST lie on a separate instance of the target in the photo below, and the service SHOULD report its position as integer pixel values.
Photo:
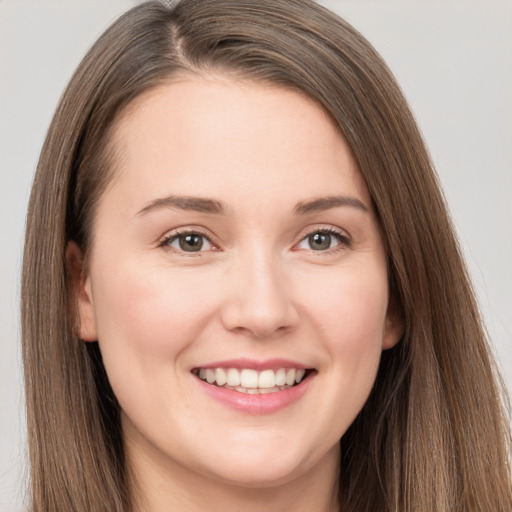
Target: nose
(259, 299)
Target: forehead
(217, 134)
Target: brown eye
(324, 240)
(188, 242)
(191, 243)
(320, 241)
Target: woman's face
(235, 253)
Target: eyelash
(344, 240)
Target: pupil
(320, 241)
(191, 242)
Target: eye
(189, 241)
(323, 240)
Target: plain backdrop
(453, 60)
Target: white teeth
(290, 377)
(251, 381)
(267, 379)
(281, 377)
(233, 377)
(252, 391)
(220, 377)
(210, 376)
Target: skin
(257, 289)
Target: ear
(81, 293)
(394, 326)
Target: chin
(265, 468)
(257, 477)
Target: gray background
(452, 58)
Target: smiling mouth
(252, 381)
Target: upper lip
(253, 364)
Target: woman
(251, 298)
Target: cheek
(348, 316)
(145, 320)
(356, 339)
(152, 305)
(348, 307)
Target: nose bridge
(260, 300)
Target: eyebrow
(212, 206)
(325, 203)
(196, 204)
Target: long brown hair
(433, 435)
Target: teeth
(281, 377)
(257, 391)
(267, 379)
(290, 377)
(220, 377)
(233, 377)
(251, 381)
(210, 376)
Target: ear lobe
(394, 325)
(80, 294)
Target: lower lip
(266, 403)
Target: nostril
(257, 324)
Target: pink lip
(256, 404)
(267, 364)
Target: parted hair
(434, 433)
